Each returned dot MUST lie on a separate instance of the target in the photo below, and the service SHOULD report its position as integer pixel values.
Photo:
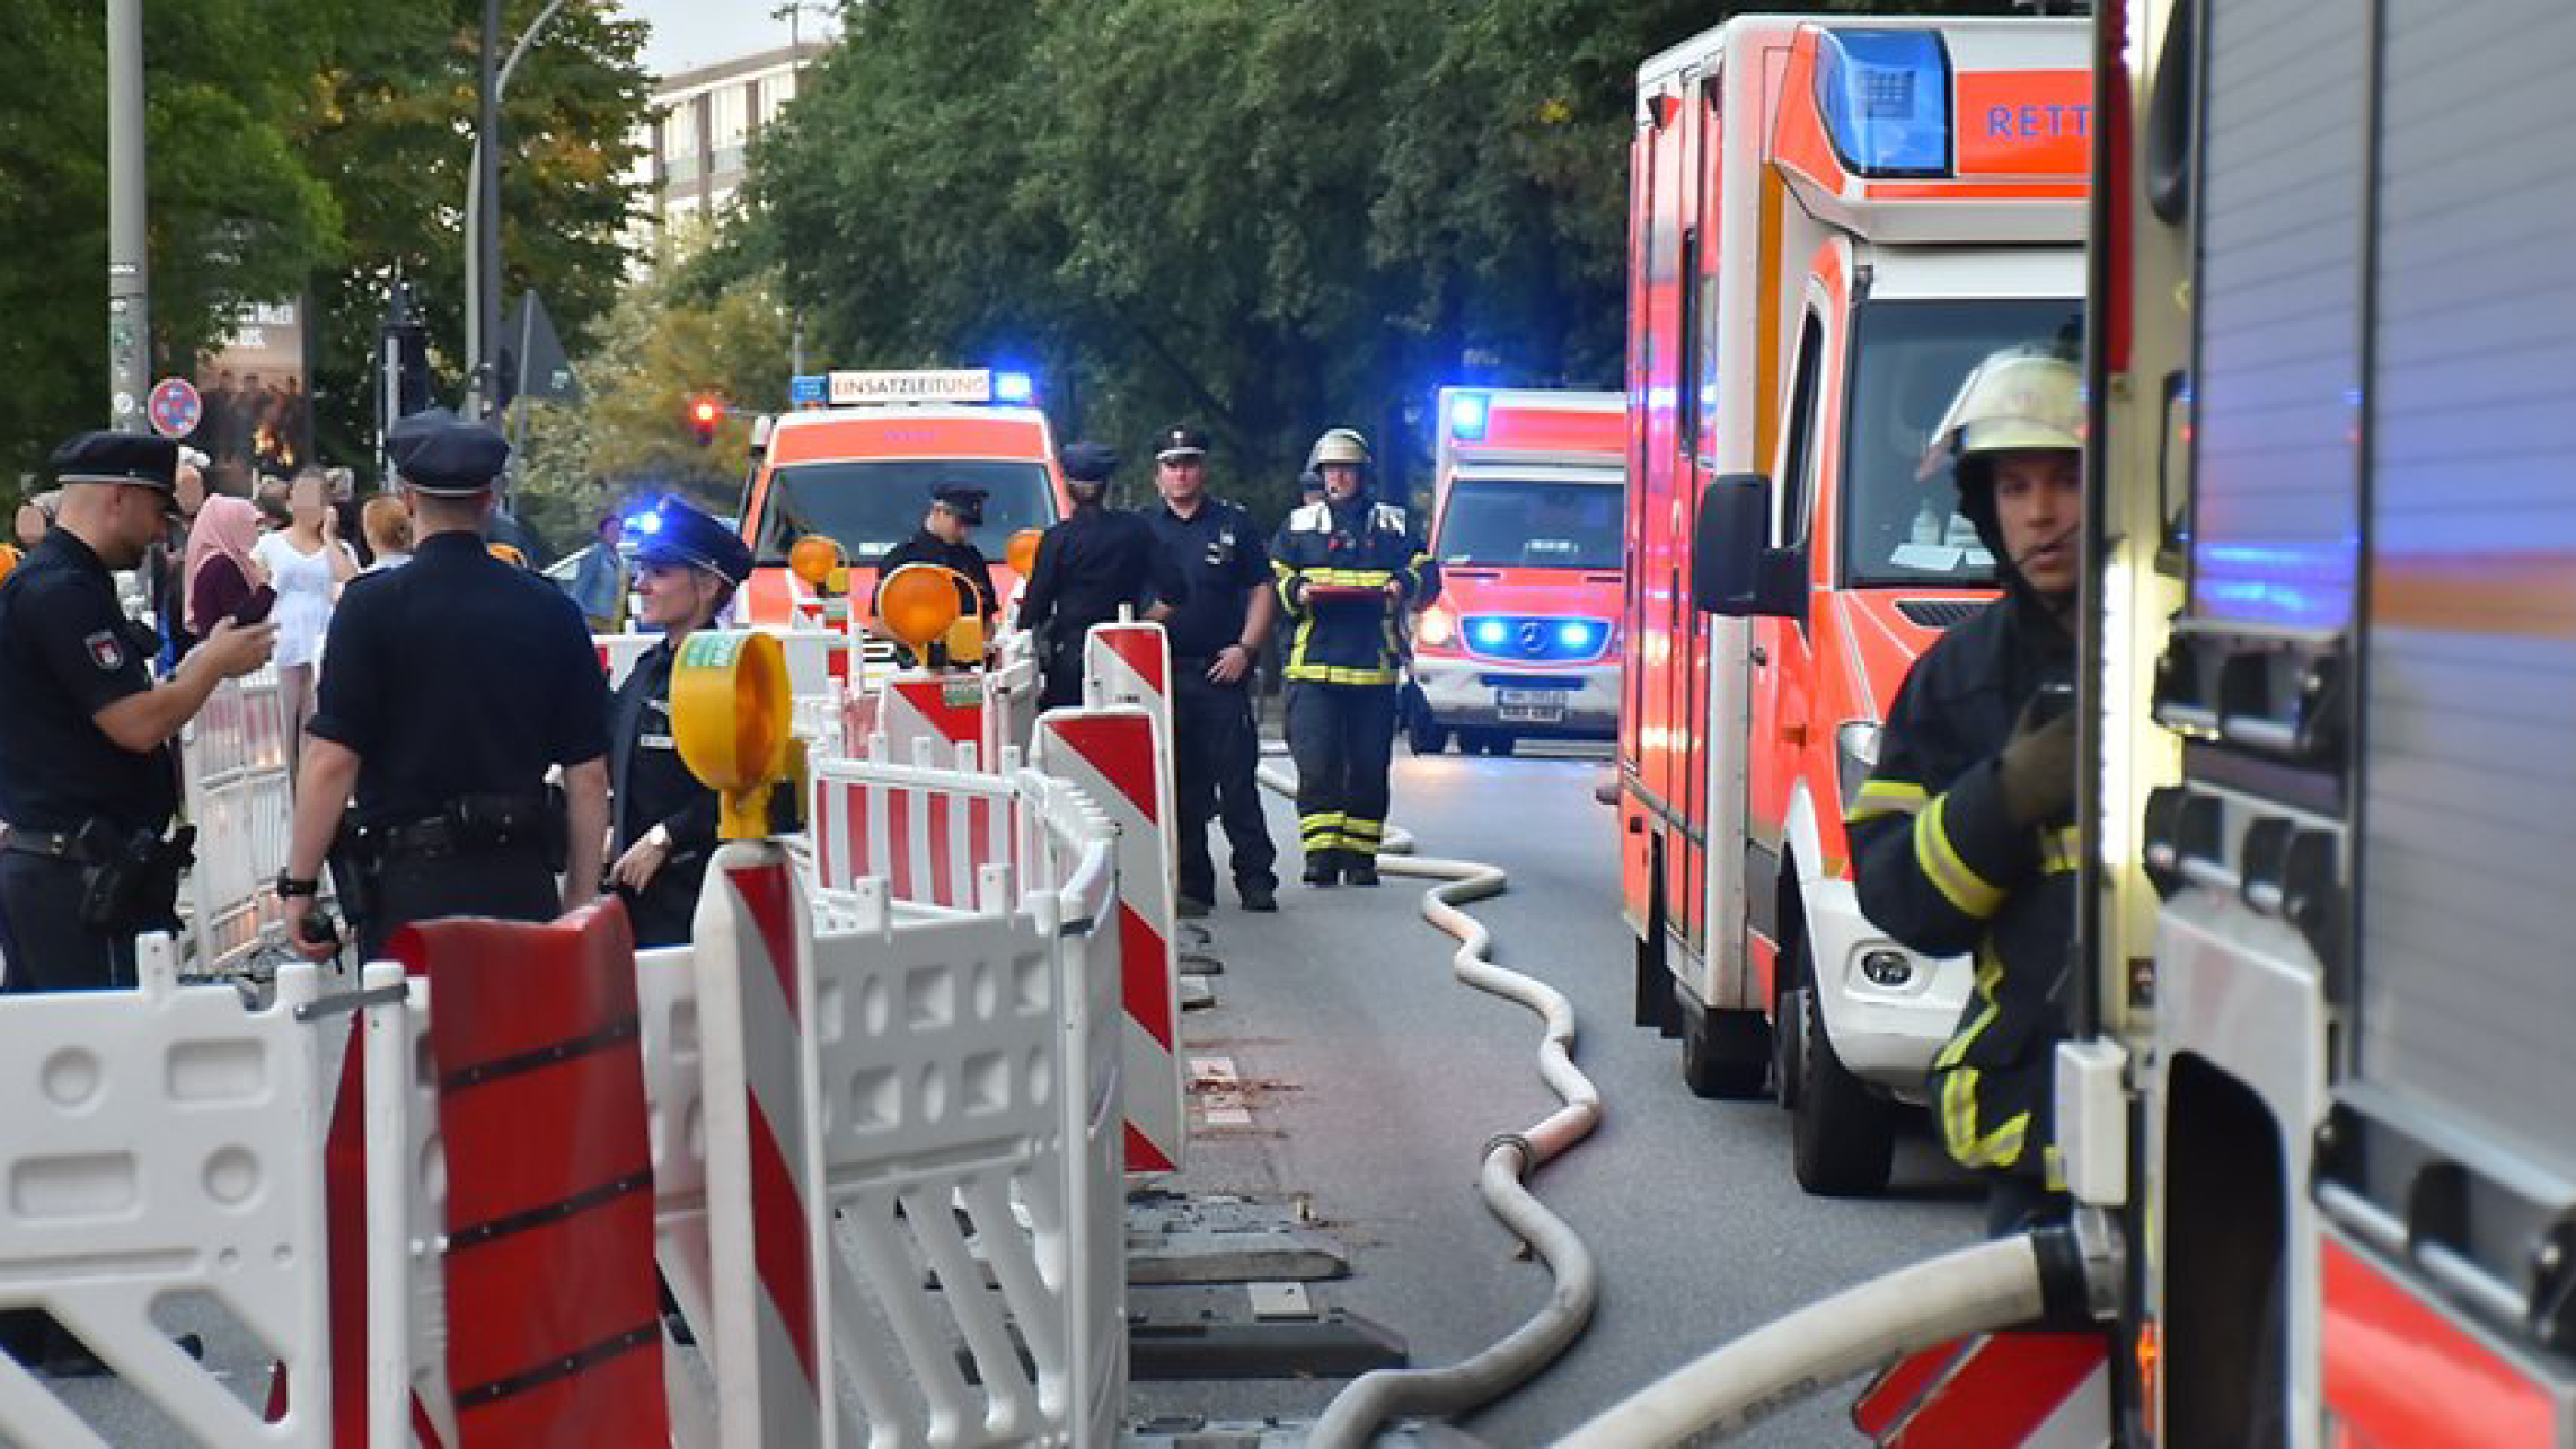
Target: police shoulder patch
(105, 651)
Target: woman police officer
(687, 566)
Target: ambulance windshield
(1900, 523)
(1519, 523)
(870, 506)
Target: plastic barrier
(233, 757)
(1112, 756)
(928, 831)
(936, 705)
(111, 1216)
(1012, 685)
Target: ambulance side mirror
(1734, 569)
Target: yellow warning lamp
(1022, 552)
(730, 712)
(816, 558)
(507, 553)
(919, 604)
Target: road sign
(807, 389)
(175, 407)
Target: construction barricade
(238, 796)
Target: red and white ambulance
(860, 470)
(1832, 221)
(1525, 523)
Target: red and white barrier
(233, 758)
(928, 831)
(944, 708)
(1113, 756)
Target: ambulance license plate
(1531, 698)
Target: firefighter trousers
(1998, 1121)
(1343, 739)
(1216, 754)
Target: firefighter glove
(2037, 769)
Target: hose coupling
(2081, 1264)
(1516, 1142)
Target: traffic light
(704, 414)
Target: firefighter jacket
(1940, 866)
(1358, 544)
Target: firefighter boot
(1359, 867)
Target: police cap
(1179, 443)
(964, 500)
(137, 458)
(439, 454)
(1088, 462)
(676, 533)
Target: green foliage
(1267, 219)
(297, 148)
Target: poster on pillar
(257, 422)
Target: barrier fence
(238, 795)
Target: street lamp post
(129, 277)
(483, 208)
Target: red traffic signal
(704, 414)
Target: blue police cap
(964, 500)
(1179, 443)
(137, 458)
(440, 454)
(1088, 462)
(692, 538)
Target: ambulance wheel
(1724, 1053)
(1842, 1135)
(1425, 735)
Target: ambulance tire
(1842, 1135)
(1725, 1054)
(1423, 734)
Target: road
(1377, 1079)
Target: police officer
(686, 571)
(1216, 634)
(450, 687)
(1964, 833)
(1088, 568)
(88, 780)
(954, 509)
(1349, 568)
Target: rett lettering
(2025, 123)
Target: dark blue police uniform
(648, 782)
(458, 680)
(1088, 568)
(1216, 749)
(70, 796)
(977, 596)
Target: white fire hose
(1352, 1419)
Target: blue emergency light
(1885, 95)
(1467, 416)
(1014, 387)
(1491, 634)
(649, 521)
(1574, 636)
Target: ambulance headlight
(1467, 416)
(1014, 387)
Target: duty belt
(52, 844)
(521, 826)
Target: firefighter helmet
(1343, 446)
(2018, 398)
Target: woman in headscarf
(220, 571)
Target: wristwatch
(288, 887)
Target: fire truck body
(1832, 223)
(1526, 526)
(861, 471)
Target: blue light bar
(1491, 634)
(1467, 416)
(1885, 95)
(1014, 387)
(1574, 634)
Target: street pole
(129, 278)
(483, 316)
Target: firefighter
(954, 509)
(454, 685)
(1089, 567)
(1349, 569)
(686, 571)
(1963, 836)
(1216, 634)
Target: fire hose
(1354, 1415)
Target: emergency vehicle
(1525, 522)
(2322, 1070)
(859, 467)
(1831, 223)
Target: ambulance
(859, 466)
(1525, 523)
(1832, 221)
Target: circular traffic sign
(175, 408)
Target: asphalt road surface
(1375, 1079)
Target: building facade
(696, 146)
